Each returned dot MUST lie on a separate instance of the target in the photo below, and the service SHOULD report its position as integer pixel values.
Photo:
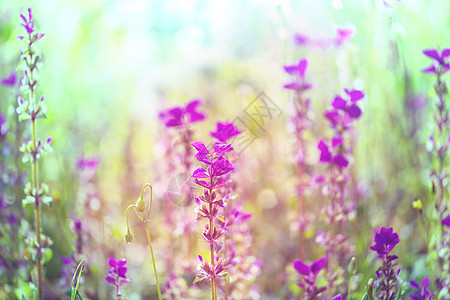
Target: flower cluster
(387, 284)
(335, 154)
(30, 109)
(309, 274)
(440, 143)
(342, 36)
(423, 292)
(208, 204)
(117, 275)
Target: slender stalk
(35, 186)
(145, 221)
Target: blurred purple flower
(343, 35)
(345, 110)
(309, 274)
(439, 65)
(297, 70)
(326, 155)
(225, 131)
(28, 24)
(178, 115)
(88, 163)
(3, 127)
(10, 80)
(422, 293)
(446, 221)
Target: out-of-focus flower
(326, 155)
(439, 65)
(422, 293)
(345, 110)
(309, 274)
(179, 115)
(10, 80)
(28, 24)
(343, 35)
(3, 127)
(85, 163)
(298, 70)
(446, 221)
(225, 131)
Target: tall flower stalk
(335, 153)
(440, 141)
(139, 208)
(209, 203)
(31, 109)
(387, 276)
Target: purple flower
(10, 80)
(178, 115)
(446, 221)
(387, 276)
(86, 163)
(385, 241)
(225, 131)
(3, 126)
(345, 110)
(309, 274)
(343, 35)
(28, 23)
(298, 70)
(439, 65)
(422, 293)
(117, 274)
(326, 155)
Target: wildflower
(345, 109)
(297, 70)
(326, 155)
(208, 207)
(182, 115)
(225, 131)
(422, 293)
(117, 274)
(10, 80)
(309, 274)
(439, 65)
(385, 241)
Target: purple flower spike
(225, 131)
(10, 80)
(117, 273)
(422, 293)
(298, 70)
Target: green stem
(153, 260)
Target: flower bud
(140, 204)
(128, 237)
(352, 266)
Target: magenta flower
(326, 155)
(309, 274)
(439, 65)
(446, 221)
(297, 70)
(385, 241)
(88, 163)
(10, 80)
(117, 274)
(28, 24)
(225, 131)
(178, 115)
(345, 110)
(422, 293)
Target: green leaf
(48, 254)
(198, 279)
(79, 270)
(227, 277)
(48, 201)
